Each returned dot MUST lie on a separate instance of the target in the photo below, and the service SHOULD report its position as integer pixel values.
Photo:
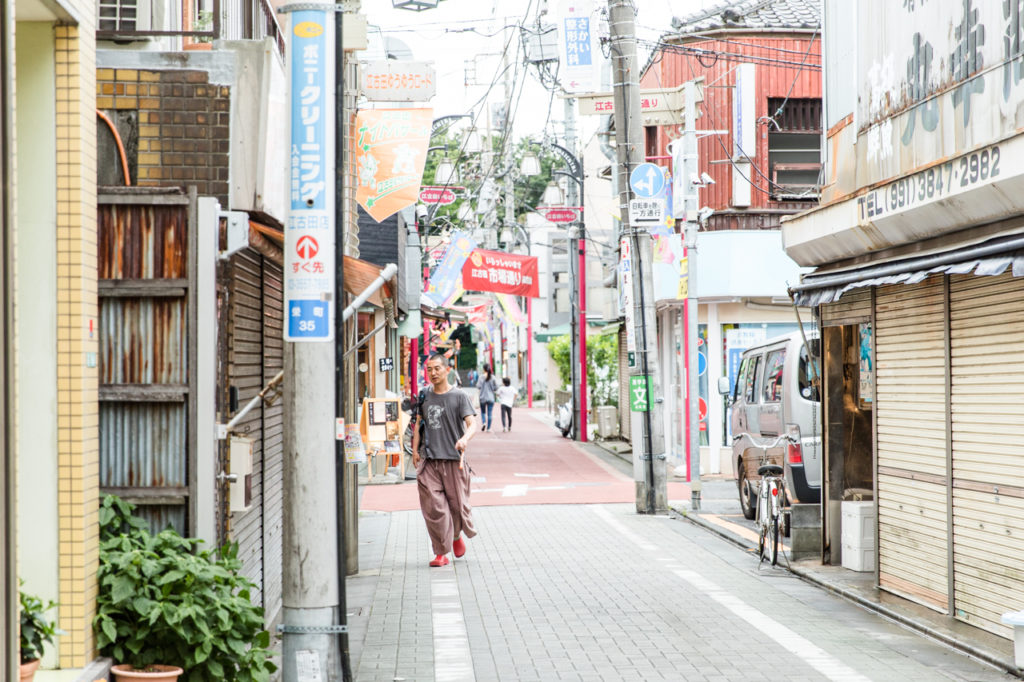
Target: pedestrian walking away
(488, 390)
(507, 398)
(444, 426)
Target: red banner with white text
(503, 273)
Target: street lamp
(414, 5)
(578, 319)
(529, 165)
(553, 195)
(446, 173)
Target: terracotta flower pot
(28, 670)
(151, 673)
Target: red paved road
(532, 464)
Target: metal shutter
(273, 441)
(912, 444)
(245, 372)
(851, 308)
(987, 404)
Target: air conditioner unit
(125, 16)
(608, 421)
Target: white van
(777, 392)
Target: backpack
(423, 418)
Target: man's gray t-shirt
(445, 414)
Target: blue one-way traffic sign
(647, 180)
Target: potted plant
(36, 633)
(164, 603)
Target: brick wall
(77, 346)
(184, 127)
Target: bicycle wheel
(774, 540)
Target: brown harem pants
(444, 501)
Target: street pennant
(513, 312)
(443, 282)
(502, 273)
(391, 149)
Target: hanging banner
(579, 53)
(309, 228)
(500, 272)
(445, 279)
(390, 151)
(513, 313)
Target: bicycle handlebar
(765, 446)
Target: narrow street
(566, 582)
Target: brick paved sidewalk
(596, 592)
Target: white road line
(803, 648)
(533, 475)
(453, 661)
(517, 490)
(816, 657)
(628, 534)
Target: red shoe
(459, 546)
(439, 560)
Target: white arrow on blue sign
(647, 180)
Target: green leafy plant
(602, 365)
(36, 630)
(162, 600)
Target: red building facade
(780, 170)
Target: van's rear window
(808, 378)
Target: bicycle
(771, 494)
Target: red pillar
(583, 339)
(529, 352)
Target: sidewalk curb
(982, 654)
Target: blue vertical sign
(309, 230)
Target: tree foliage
(602, 365)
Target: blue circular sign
(647, 180)
(702, 363)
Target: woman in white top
(507, 397)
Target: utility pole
(311, 613)
(649, 448)
(691, 170)
(572, 263)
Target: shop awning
(546, 335)
(360, 274)
(993, 257)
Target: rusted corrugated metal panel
(144, 344)
(143, 445)
(142, 242)
(143, 341)
(161, 517)
(783, 78)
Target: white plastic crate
(858, 529)
(858, 558)
(858, 535)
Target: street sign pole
(311, 588)
(649, 447)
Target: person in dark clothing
(442, 478)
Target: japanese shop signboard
(397, 81)
(579, 53)
(390, 150)
(309, 229)
(501, 272)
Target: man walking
(449, 421)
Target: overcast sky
(451, 34)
